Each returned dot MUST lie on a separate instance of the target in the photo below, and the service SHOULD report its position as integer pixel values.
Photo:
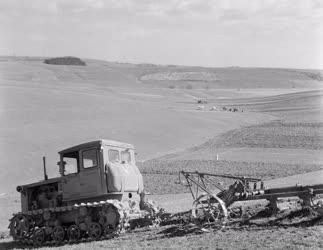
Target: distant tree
(67, 60)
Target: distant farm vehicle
(200, 107)
(212, 201)
(213, 108)
(202, 101)
(99, 194)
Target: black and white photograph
(161, 124)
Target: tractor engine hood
(123, 177)
(23, 188)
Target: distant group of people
(231, 109)
(214, 108)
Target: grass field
(277, 141)
(281, 155)
(273, 135)
(160, 175)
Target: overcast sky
(261, 33)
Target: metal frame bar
(201, 181)
(220, 175)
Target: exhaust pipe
(44, 164)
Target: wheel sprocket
(21, 226)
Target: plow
(214, 195)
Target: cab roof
(97, 143)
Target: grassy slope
(301, 139)
(270, 135)
(299, 125)
(160, 176)
(32, 69)
(240, 77)
(47, 107)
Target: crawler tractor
(99, 194)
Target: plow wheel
(21, 226)
(58, 234)
(209, 209)
(74, 233)
(95, 230)
(38, 237)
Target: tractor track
(43, 227)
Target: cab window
(113, 155)
(125, 156)
(90, 158)
(71, 163)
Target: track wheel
(109, 231)
(38, 237)
(111, 215)
(58, 234)
(21, 226)
(74, 233)
(95, 230)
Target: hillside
(295, 137)
(125, 74)
(46, 108)
(275, 132)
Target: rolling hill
(45, 108)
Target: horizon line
(160, 64)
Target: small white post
(217, 157)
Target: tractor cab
(99, 168)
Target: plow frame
(199, 181)
(204, 186)
(205, 189)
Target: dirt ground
(242, 238)
(298, 229)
